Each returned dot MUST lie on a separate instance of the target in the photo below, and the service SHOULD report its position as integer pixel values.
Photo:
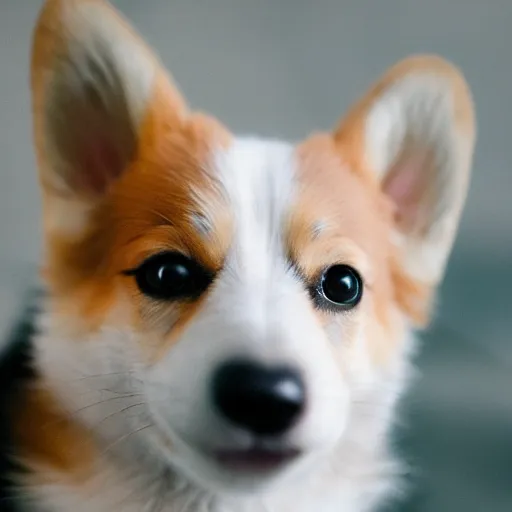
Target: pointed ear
(415, 132)
(92, 82)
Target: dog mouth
(255, 460)
(247, 457)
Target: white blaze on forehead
(258, 177)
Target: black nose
(261, 400)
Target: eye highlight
(340, 286)
(171, 276)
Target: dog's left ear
(415, 131)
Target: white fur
(155, 421)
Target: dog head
(247, 298)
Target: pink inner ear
(98, 145)
(100, 160)
(406, 186)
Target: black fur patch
(16, 372)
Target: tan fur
(356, 221)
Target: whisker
(125, 437)
(124, 409)
(110, 399)
(119, 393)
(73, 414)
(109, 374)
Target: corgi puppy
(227, 321)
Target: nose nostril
(265, 401)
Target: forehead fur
(259, 179)
(250, 205)
(336, 201)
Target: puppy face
(230, 305)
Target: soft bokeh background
(283, 68)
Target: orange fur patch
(343, 217)
(150, 209)
(48, 437)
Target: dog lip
(255, 459)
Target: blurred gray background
(284, 68)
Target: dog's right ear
(415, 131)
(93, 81)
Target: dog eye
(171, 276)
(342, 286)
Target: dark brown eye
(171, 276)
(342, 286)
